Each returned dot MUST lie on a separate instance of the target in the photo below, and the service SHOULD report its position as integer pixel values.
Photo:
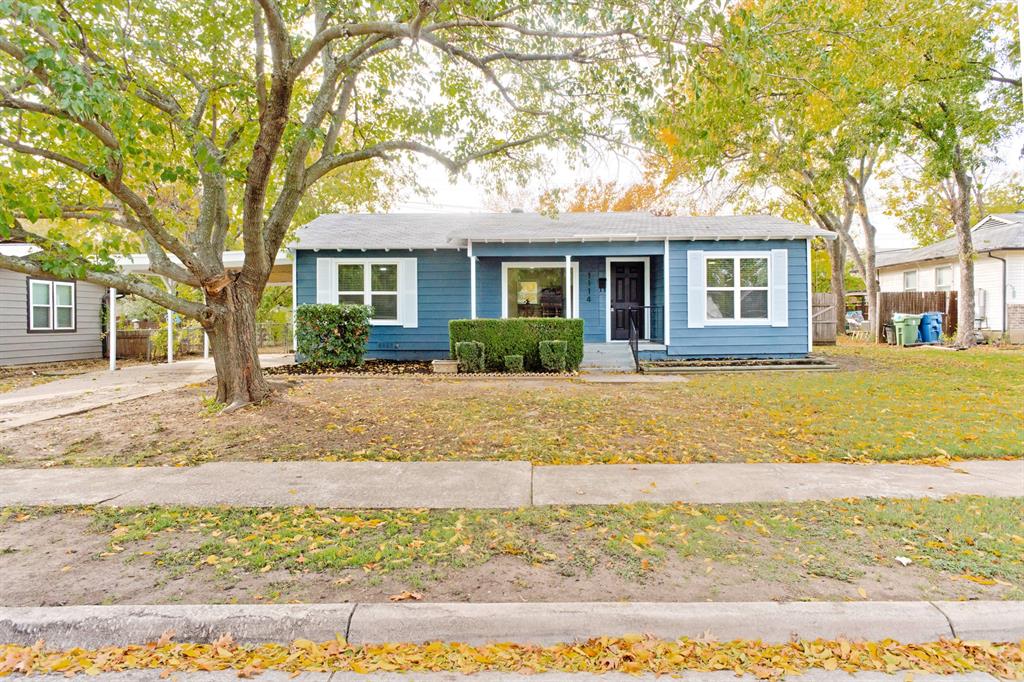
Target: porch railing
(634, 341)
(649, 321)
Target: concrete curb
(93, 627)
(496, 484)
(532, 623)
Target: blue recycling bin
(931, 327)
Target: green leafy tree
(777, 99)
(809, 97)
(924, 207)
(957, 92)
(181, 128)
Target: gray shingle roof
(450, 230)
(997, 232)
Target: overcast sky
(466, 195)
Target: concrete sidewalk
(531, 623)
(88, 391)
(449, 485)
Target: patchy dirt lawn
(885, 404)
(955, 548)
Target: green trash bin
(908, 328)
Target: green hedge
(514, 363)
(470, 355)
(520, 336)
(552, 355)
(332, 335)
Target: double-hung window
(371, 283)
(944, 278)
(51, 305)
(910, 280)
(737, 289)
(388, 284)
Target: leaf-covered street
(633, 655)
(884, 404)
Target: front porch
(611, 286)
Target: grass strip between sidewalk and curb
(967, 541)
(631, 654)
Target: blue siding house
(690, 287)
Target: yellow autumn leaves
(630, 654)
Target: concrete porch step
(608, 356)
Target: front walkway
(88, 391)
(496, 485)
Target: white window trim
(903, 279)
(646, 260)
(738, 321)
(944, 287)
(555, 265)
(367, 292)
(51, 305)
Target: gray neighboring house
(47, 320)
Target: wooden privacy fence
(141, 344)
(917, 302)
(823, 317)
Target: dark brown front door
(626, 296)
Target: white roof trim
(139, 262)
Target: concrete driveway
(95, 389)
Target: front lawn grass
(885, 404)
(960, 544)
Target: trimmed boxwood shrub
(332, 335)
(514, 363)
(552, 355)
(520, 336)
(470, 355)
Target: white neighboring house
(998, 272)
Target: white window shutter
(696, 296)
(780, 287)
(326, 281)
(408, 286)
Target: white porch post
(568, 286)
(472, 279)
(112, 329)
(170, 337)
(295, 299)
(666, 317)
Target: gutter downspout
(1006, 308)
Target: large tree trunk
(871, 286)
(837, 279)
(961, 214)
(233, 342)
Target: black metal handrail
(648, 319)
(634, 342)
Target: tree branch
(30, 265)
(328, 163)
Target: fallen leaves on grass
(977, 537)
(630, 654)
(406, 595)
(885, 405)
